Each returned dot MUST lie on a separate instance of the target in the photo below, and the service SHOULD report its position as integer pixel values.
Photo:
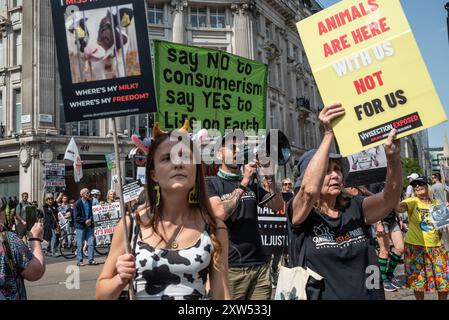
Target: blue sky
(428, 22)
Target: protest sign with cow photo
(105, 69)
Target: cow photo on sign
(104, 58)
(102, 44)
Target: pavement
(403, 293)
(63, 280)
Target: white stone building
(31, 118)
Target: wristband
(241, 186)
(35, 239)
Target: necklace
(174, 244)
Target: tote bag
(299, 282)
(292, 283)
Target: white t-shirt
(409, 192)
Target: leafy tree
(409, 166)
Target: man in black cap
(234, 197)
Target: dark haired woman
(180, 244)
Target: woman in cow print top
(179, 243)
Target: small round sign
(140, 158)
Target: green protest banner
(219, 89)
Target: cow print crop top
(169, 274)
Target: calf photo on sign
(93, 54)
(105, 68)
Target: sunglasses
(287, 184)
(49, 199)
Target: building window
(273, 111)
(84, 128)
(271, 73)
(156, 13)
(279, 75)
(295, 52)
(280, 119)
(17, 96)
(2, 53)
(290, 131)
(268, 32)
(3, 5)
(17, 48)
(217, 18)
(143, 121)
(17, 3)
(1, 108)
(138, 125)
(198, 18)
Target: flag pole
(122, 202)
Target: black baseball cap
(418, 180)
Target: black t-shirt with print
(245, 243)
(339, 249)
(377, 188)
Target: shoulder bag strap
(302, 253)
(284, 245)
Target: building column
(177, 9)
(28, 64)
(30, 173)
(120, 123)
(242, 27)
(114, 172)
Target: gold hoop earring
(194, 197)
(157, 189)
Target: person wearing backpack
(21, 217)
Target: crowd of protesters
(197, 238)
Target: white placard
(46, 118)
(26, 118)
(132, 191)
(141, 175)
(373, 158)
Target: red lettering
(131, 97)
(337, 45)
(373, 5)
(327, 50)
(321, 28)
(355, 13)
(76, 1)
(368, 83)
(369, 31)
(383, 25)
(378, 77)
